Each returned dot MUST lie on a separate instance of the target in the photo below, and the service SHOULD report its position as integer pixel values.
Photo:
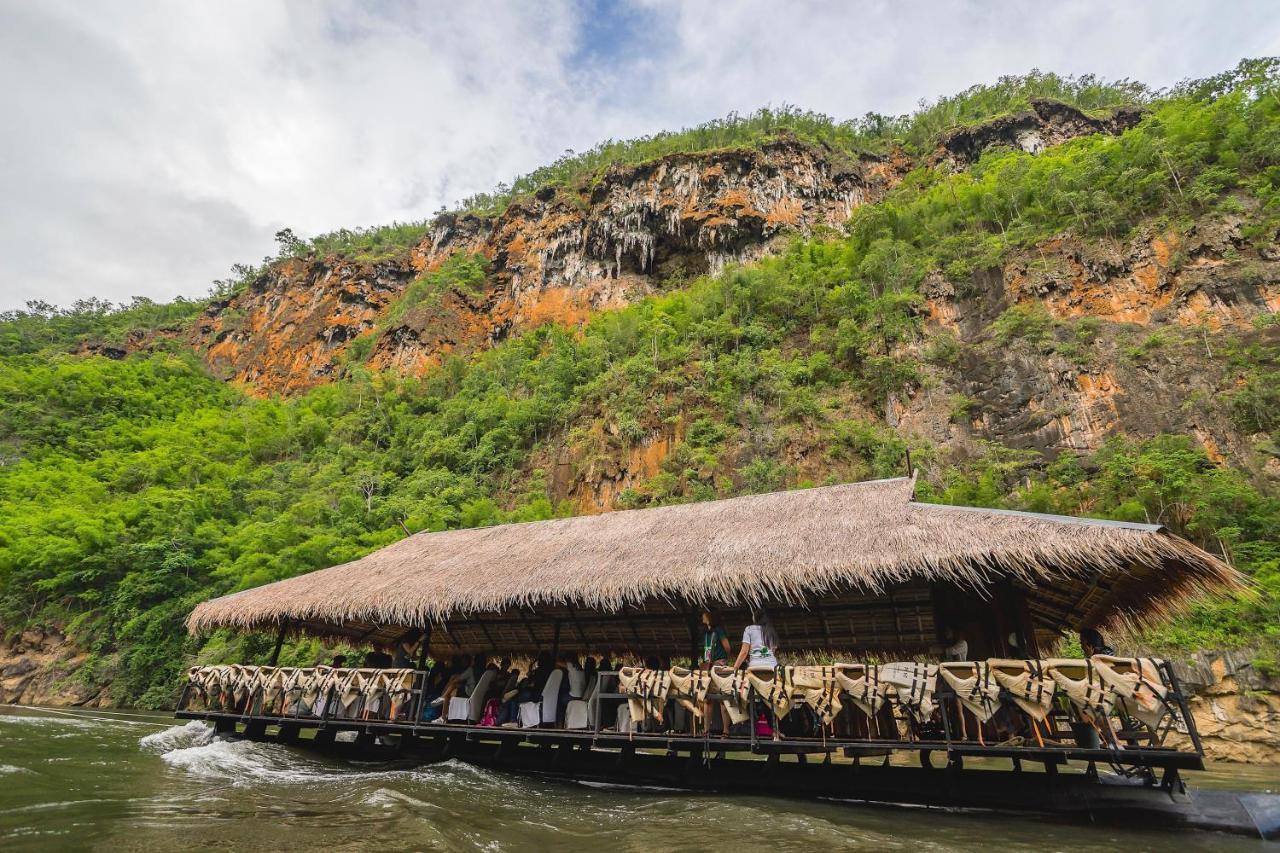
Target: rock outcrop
(564, 253)
(44, 668)
(1046, 123)
(1236, 707)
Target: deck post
(275, 654)
(421, 675)
(423, 646)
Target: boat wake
(194, 749)
(194, 733)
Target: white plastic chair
(578, 713)
(530, 714)
(469, 709)
(551, 697)
(624, 718)
(577, 683)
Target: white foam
(6, 769)
(194, 733)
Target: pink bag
(490, 717)
(763, 729)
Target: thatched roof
(787, 547)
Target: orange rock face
(564, 253)
(557, 257)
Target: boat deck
(951, 753)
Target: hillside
(1061, 296)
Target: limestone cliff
(1235, 705)
(562, 254)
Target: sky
(148, 146)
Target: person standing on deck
(759, 643)
(715, 652)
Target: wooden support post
(424, 646)
(421, 693)
(695, 641)
(555, 642)
(275, 654)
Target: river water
(101, 780)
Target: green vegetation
(462, 272)
(89, 321)
(372, 244)
(130, 489)
(919, 132)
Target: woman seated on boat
(527, 689)
(589, 672)
(572, 685)
(437, 678)
(463, 681)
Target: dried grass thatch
(790, 547)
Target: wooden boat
(860, 576)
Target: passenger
(339, 661)
(609, 685)
(715, 652)
(542, 669)
(1093, 643)
(957, 646)
(504, 681)
(463, 681)
(574, 677)
(529, 689)
(405, 650)
(759, 643)
(437, 679)
(377, 659)
(589, 672)
(653, 662)
(517, 686)
(572, 681)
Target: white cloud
(147, 147)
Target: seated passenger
(574, 677)
(589, 672)
(461, 681)
(957, 646)
(437, 678)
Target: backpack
(491, 709)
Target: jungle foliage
(132, 488)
